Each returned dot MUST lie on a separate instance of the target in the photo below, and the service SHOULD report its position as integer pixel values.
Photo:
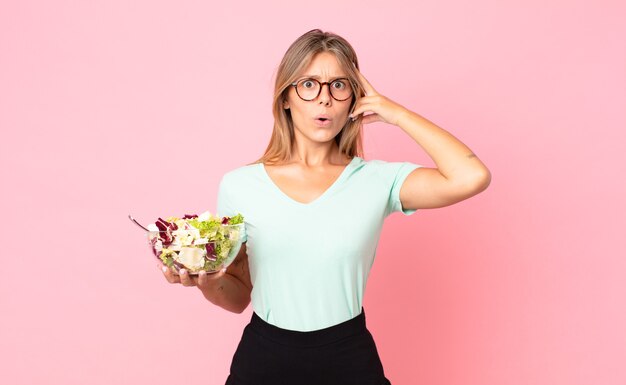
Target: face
(322, 118)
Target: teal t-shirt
(309, 263)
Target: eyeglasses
(309, 89)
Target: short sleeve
(398, 172)
(225, 205)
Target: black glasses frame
(319, 91)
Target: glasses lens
(308, 89)
(340, 89)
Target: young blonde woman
(314, 209)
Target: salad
(197, 242)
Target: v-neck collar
(320, 198)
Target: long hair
(298, 56)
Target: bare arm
(233, 290)
(229, 290)
(459, 173)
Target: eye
(308, 83)
(339, 84)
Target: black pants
(343, 354)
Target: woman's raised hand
(202, 281)
(382, 108)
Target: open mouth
(322, 120)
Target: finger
(371, 99)
(367, 87)
(185, 278)
(371, 118)
(202, 279)
(207, 279)
(169, 276)
(366, 103)
(362, 108)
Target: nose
(324, 97)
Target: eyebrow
(319, 77)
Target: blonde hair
(298, 56)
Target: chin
(326, 135)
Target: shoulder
(239, 176)
(383, 166)
(241, 172)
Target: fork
(137, 223)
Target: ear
(285, 104)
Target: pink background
(116, 107)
